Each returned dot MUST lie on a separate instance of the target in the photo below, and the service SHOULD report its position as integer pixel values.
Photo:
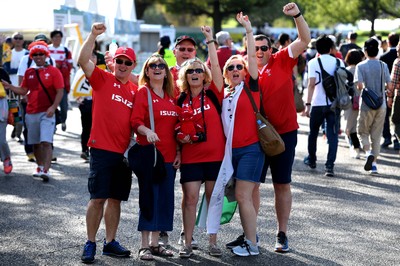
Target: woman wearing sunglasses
(202, 92)
(243, 153)
(156, 78)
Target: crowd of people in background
(128, 112)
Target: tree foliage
(219, 11)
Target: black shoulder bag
(57, 112)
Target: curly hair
(182, 82)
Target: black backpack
(339, 87)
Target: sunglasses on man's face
(18, 38)
(126, 63)
(37, 55)
(192, 70)
(232, 67)
(263, 48)
(160, 66)
(182, 49)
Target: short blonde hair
(182, 82)
(228, 62)
(168, 85)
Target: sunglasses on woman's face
(192, 70)
(160, 66)
(263, 48)
(39, 54)
(126, 63)
(232, 67)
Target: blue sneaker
(374, 170)
(113, 248)
(89, 251)
(247, 248)
(282, 243)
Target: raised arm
(212, 54)
(87, 48)
(303, 31)
(251, 47)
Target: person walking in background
(395, 77)
(64, 63)
(110, 178)
(165, 52)
(318, 106)
(25, 63)
(225, 48)
(11, 67)
(201, 159)
(5, 153)
(389, 58)
(350, 43)
(157, 79)
(276, 86)
(372, 74)
(43, 86)
(353, 57)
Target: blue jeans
(319, 115)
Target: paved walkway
(350, 219)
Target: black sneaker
(307, 161)
(368, 163)
(113, 248)
(329, 172)
(89, 250)
(239, 241)
(282, 243)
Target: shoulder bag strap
(44, 88)
(251, 98)
(151, 114)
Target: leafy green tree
(219, 11)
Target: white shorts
(40, 128)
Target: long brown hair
(168, 84)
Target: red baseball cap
(127, 52)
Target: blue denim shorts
(248, 162)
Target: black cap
(40, 37)
(184, 38)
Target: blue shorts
(199, 172)
(281, 164)
(248, 162)
(109, 176)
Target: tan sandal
(161, 251)
(145, 254)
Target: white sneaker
(246, 249)
(45, 175)
(195, 244)
(38, 172)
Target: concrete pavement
(350, 219)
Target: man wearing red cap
(110, 178)
(45, 86)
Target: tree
(219, 11)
